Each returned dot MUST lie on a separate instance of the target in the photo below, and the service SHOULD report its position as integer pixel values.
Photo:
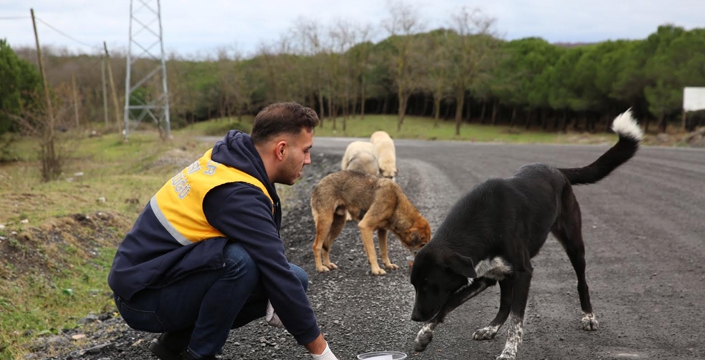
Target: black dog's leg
(568, 232)
(505, 304)
(425, 335)
(577, 258)
(521, 280)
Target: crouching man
(205, 255)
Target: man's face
(296, 156)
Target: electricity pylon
(146, 97)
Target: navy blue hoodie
(149, 258)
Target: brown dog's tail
(630, 136)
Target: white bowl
(382, 355)
(410, 260)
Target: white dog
(386, 154)
(360, 156)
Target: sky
(198, 28)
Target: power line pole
(145, 35)
(105, 92)
(112, 87)
(75, 99)
(50, 162)
(50, 112)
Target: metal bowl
(382, 355)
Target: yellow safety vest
(178, 205)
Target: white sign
(693, 98)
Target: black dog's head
(435, 276)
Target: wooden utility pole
(105, 92)
(684, 120)
(75, 99)
(51, 167)
(112, 88)
(50, 113)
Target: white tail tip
(625, 125)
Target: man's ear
(279, 149)
(462, 265)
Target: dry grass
(57, 239)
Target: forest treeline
(462, 72)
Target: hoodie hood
(237, 150)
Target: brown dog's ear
(462, 265)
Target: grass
(415, 127)
(52, 268)
(53, 262)
(218, 127)
(103, 174)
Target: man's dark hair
(279, 118)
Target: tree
(20, 83)
(361, 57)
(470, 52)
(311, 45)
(402, 24)
(617, 75)
(437, 80)
(676, 62)
(528, 60)
(563, 93)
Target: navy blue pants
(200, 309)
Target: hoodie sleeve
(243, 213)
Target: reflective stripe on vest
(178, 205)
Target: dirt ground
(643, 227)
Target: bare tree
(344, 35)
(268, 56)
(312, 46)
(360, 59)
(278, 62)
(469, 52)
(402, 25)
(182, 95)
(51, 132)
(436, 61)
(233, 90)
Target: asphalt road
(644, 230)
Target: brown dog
(377, 204)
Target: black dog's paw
(486, 333)
(419, 346)
(589, 322)
(423, 338)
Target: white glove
(271, 317)
(326, 355)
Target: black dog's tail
(629, 137)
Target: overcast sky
(195, 28)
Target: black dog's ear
(462, 265)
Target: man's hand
(326, 355)
(271, 317)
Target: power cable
(68, 36)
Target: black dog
(491, 234)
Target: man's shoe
(186, 355)
(160, 349)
